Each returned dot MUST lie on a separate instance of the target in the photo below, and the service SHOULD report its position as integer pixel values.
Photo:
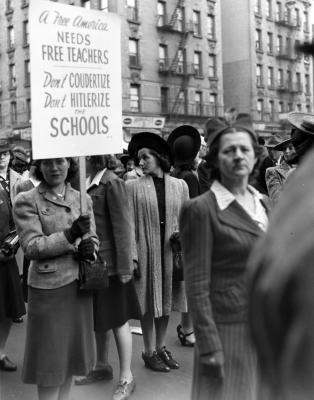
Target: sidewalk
(175, 385)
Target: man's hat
(307, 48)
(149, 140)
(302, 121)
(212, 125)
(282, 145)
(184, 142)
(20, 153)
(272, 142)
(4, 146)
(125, 158)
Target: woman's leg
(64, 390)
(187, 327)
(5, 327)
(102, 349)
(123, 339)
(161, 325)
(147, 324)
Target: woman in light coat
(155, 201)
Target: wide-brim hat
(149, 140)
(243, 122)
(304, 122)
(184, 142)
(307, 48)
(4, 146)
(280, 146)
(272, 142)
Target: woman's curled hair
(72, 171)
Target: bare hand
(125, 278)
(213, 365)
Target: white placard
(75, 81)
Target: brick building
(171, 64)
(263, 75)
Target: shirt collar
(96, 180)
(225, 198)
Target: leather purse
(93, 275)
(177, 269)
(10, 244)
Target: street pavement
(175, 385)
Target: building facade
(263, 74)
(171, 64)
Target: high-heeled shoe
(184, 337)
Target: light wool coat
(154, 295)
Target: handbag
(177, 256)
(93, 275)
(10, 244)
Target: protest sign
(75, 81)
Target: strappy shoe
(184, 337)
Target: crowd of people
(230, 201)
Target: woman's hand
(125, 278)
(213, 365)
(86, 249)
(79, 227)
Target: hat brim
(296, 119)
(282, 145)
(185, 130)
(5, 149)
(148, 140)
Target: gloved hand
(86, 249)
(79, 227)
(125, 278)
(213, 365)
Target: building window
(135, 98)
(299, 107)
(307, 84)
(270, 77)
(1, 120)
(270, 43)
(281, 108)
(198, 103)
(258, 40)
(12, 76)
(212, 66)
(11, 38)
(289, 79)
(25, 33)
(164, 100)
(298, 81)
(179, 19)
(306, 22)
(272, 109)
(308, 108)
(163, 62)
(213, 104)
(260, 110)
(28, 110)
(290, 107)
(280, 77)
(27, 75)
(86, 4)
(13, 113)
(9, 5)
(198, 63)
(258, 7)
(161, 13)
(197, 23)
(288, 45)
(103, 5)
(279, 44)
(278, 11)
(269, 9)
(180, 64)
(259, 75)
(298, 17)
(133, 53)
(211, 31)
(132, 10)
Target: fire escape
(177, 66)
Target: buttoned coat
(113, 223)
(275, 179)
(216, 245)
(156, 293)
(40, 219)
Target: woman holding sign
(60, 324)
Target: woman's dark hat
(302, 121)
(272, 142)
(184, 142)
(149, 140)
(243, 122)
(281, 146)
(125, 158)
(4, 146)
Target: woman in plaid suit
(219, 229)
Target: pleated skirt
(60, 338)
(240, 382)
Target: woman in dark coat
(185, 142)
(11, 298)
(218, 230)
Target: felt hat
(243, 122)
(272, 142)
(149, 140)
(302, 121)
(184, 142)
(280, 146)
(20, 153)
(307, 48)
(125, 158)
(4, 146)
(212, 125)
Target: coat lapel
(69, 198)
(236, 217)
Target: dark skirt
(114, 306)
(60, 337)
(11, 297)
(240, 380)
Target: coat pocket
(231, 299)
(45, 268)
